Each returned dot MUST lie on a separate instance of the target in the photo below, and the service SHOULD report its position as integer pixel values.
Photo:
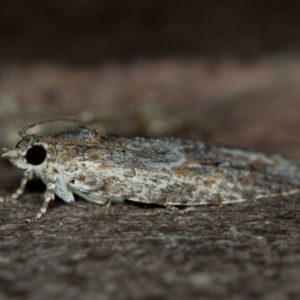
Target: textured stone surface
(144, 252)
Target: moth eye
(35, 155)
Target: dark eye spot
(35, 155)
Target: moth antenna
(23, 131)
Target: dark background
(214, 70)
(93, 32)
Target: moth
(103, 168)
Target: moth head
(27, 154)
(31, 151)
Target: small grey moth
(167, 171)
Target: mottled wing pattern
(102, 168)
(170, 171)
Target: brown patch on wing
(177, 195)
(245, 180)
(70, 155)
(107, 141)
(165, 196)
(82, 177)
(96, 156)
(254, 176)
(185, 201)
(109, 184)
(217, 200)
(249, 195)
(103, 137)
(211, 179)
(184, 169)
(101, 167)
(214, 162)
(257, 164)
(99, 137)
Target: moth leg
(108, 203)
(27, 175)
(48, 196)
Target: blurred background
(222, 71)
